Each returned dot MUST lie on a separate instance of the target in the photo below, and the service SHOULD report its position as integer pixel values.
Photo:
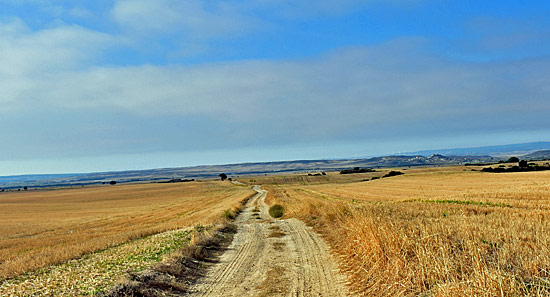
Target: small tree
(25, 188)
(523, 164)
(513, 160)
(223, 176)
(112, 182)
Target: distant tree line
(393, 173)
(523, 166)
(176, 180)
(356, 170)
(389, 174)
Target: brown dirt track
(271, 257)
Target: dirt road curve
(270, 257)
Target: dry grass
(172, 276)
(436, 232)
(38, 229)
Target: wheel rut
(270, 257)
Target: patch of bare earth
(275, 284)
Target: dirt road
(270, 257)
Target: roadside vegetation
(171, 276)
(523, 166)
(432, 232)
(276, 211)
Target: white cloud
(192, 27)
(376, 90)
(28, 58)
(193, 18)
(56, 68)
(344, 90)
(25, 51)
(223, 19)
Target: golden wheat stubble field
(41, 228)
(431, 232)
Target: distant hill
(212, 171)
(494, 150)
(538, 155)
(34, 177)
(488, 154)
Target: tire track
(317, 268)
(236, 262)
(259, 264)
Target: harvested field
(436, 232)
(41, 228)
(97, 272)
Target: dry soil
(272, 257)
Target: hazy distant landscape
(528, 151)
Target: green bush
(276, 211)
(229, 214)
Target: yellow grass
(436, 232)
(41, 228)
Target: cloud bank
(60, 88)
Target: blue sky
(132, 84)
